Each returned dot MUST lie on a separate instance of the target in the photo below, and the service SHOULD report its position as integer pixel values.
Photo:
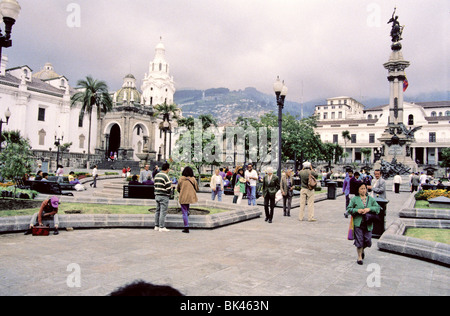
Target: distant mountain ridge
(226, 105)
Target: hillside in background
(226, 105)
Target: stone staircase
(110, 188)
(118, 165)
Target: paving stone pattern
(285, 258)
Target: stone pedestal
(146, 158)
(396, 146)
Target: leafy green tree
(445, 158)
(12, 136)
(93, 95)
(15, 159)
(256, 139)
(331, 152)
(299, 138)
(197, 144)
(366, 153)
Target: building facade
(366, 126)
(40, 106)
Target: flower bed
(430, 194)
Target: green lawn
(425, 205)
(97, 209)
(431, 234)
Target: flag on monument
(405, 84)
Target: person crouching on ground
(187, 187)
(359, 207)
(48, 211)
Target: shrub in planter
(430, 194)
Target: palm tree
(93, 93)
(167, 111)
(347, 137)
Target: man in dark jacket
(271, 185)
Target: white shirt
(397, 179)
(252, 174)
(423, 178)
(94, 172)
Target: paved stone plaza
(287, 257)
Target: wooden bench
(141, 192)
(63, 182)
(48, 187)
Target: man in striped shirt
(163, 188)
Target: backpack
(312, 182)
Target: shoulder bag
(312, 182)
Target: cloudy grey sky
(328, 47)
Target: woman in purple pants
(187, 187)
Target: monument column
(397, 138)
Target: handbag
(237, 189)
(370, 218)
(40, 231)
(312, 182)
(350, 229)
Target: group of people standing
(187, 187)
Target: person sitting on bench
(134, 180)
(48, 210)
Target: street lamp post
(57, 144)
(7, 115)
(280, 91)
(9, 10)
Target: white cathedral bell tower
(158, 86)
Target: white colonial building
(40, 106)
(39, 103)
(367, 125)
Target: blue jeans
(185, 211)
(252, 196)
(162, 204)
(218, 193)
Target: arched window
(433, 114)
(369, 117)
(160, 66)
(411, 119)
(447, 113)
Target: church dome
(128, 92)
(46, 73)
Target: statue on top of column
(397, 30)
